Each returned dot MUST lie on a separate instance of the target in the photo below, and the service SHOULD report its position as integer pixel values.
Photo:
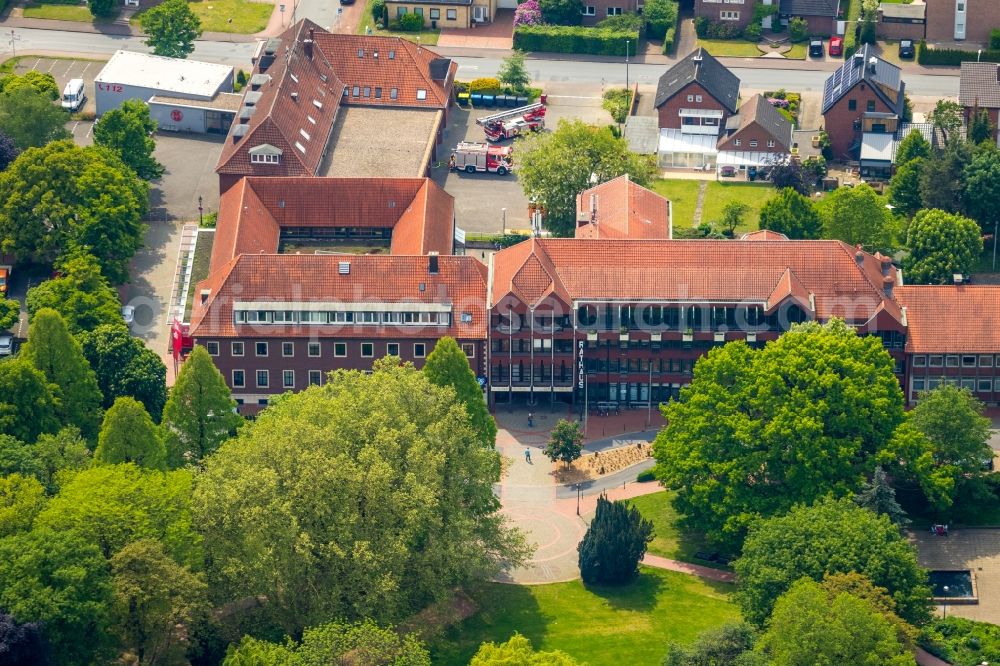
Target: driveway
(496, 35)
(63, 70)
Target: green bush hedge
(661, 16)
(953, 57)
(643, 477)
(850, 37)
(995, 39)
(669, 41)
(574, 39)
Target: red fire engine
(473, 157)
(508, 124)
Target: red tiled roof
(620, 208)
(951, 319)
(287, 115)
(827, 274)
(315, 278)
(252, 212)
(763, 235)
(387, 63)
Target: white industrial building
(183, 95)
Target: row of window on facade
(435, 14)
(986, 385)
(366, 92)
(515, 371)
(263, 379)
(667, 316)
(956, 361)
(852, 105)
(345, 317)
(591, 10)
(315, 349)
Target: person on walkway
(527, 456)
(531, 420)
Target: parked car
(816, 48)
(727, 171)
(128, 314)
(836, 46)
(6, 345)
(906, 48)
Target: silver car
(6, 345)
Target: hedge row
(954, 57)
(574, 39)
(850, 36)
(668, 41)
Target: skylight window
(393, 93)
(311, 119)
(294, 78)
(305, 134)
(302, 149)
(421, 94)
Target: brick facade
(669, 112)
(753, 137)
(981, 17)
(714, 10)
(600, 10)
(839, 121)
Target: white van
(74, 95)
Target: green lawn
(670, 541)
(683, 194)
(236, 16)
(79, 13)
(734, 48)
(629, 625)
(797, 52)
(428, 36)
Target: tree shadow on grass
(639, 595)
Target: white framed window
(589, 10)
(697, 98)
(985, 386)
(690, 98)
(260, 348)
(737, 142)
(469, 349)
(315, 377)
(314, 349)
(340, 349)
(452, 15)
(394, 92)
(367, 349)
(951, 361)
(287, 349)
(729, 16)
(392, 349)
(753, 143)
(920, 361)
(918, 384)
(770, 144)
(419, 350)
(239, 379)
(288, 379)
(236, 349)
(212, 348)
(996, 384)
(614, 11)
(969, 384)
(262, 379)
(421, 94)
(935, 361)
(968, 361)
(264, 158)
(986, 361)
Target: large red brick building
(979, 90)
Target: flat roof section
(221, 102)
(190, 78)
(381, 142)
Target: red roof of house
(620, 208)
(252, 212)
(298, 280)
(302, 87)
(951, 319)
(830, 277)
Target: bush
(488, 85)
(868, 32)
(378, 10)
(411, 22)
(102, 8)
(961, 641)
(573, 39)
(628, 21)
(241, 81)
(995, 39)
(614, 544)
(528, 13)
(953, 57)
(798, 29)
(707, 29)
(646, 476)
(753, 32)
(617, 102)
(661, 16)
(669, 41)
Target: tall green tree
(64, 450)
(561, 12)
(732, 216)
(944, 445)
(8, 150)
(155, 602)
(200, 412)
(129, 435)
(724, 645)
(758, 431)
(111, 506)
(171, 28)
(10, 313)
(31, 119)
(381, 474)
(808, 627)
(981, 189)
(27, 407)
(565, 442)
(128, 132)
(980, 127)
(858, 216)
(517, 650)
(943, 177)
(125, 367)
(62, 582)
(791, 214)
(941, 244)
(447, 365)
(57, 354)
(905, 189)
(947, 117)
(912, 146)
(829, 537)
(878, 496)
(614, 544)
(81, 295)
(553, 167)
(21, 499)
(102, 8)
(513, 73)
(62, 196)
(42, 83)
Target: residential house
(899, 21)
(979, 88)
(865, 94)
(962, 20)
(445, 13)
(737, 12)
(878, 148)
(322, 104)
(694, 99)
(620, 208)
(757, 136)
(820, 15)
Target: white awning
(876, 147)
(700, 113)
(676, 141)
(744, 158)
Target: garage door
(506, 4)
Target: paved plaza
(974, 549)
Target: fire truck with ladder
(508, 124)
(473, 157)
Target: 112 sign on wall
(110, 87)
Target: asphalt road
(611, 73)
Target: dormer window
(421, 94)
(355, 91)
(265, 154)
(361, 53)
(392, 55)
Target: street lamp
(578, 499)
(200, 210)
(626, 63)
(944, 604)
(503, 212)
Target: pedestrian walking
(527, 456)
(531, 420)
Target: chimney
(432, 263)
(593, 207)
(872, 62)
(697, 58)
(859, 254)
(295, 96)
(312, 34)
(307, 46)
(888, 282)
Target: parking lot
(63, 70)
(481, 197)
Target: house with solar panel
(865, 97)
